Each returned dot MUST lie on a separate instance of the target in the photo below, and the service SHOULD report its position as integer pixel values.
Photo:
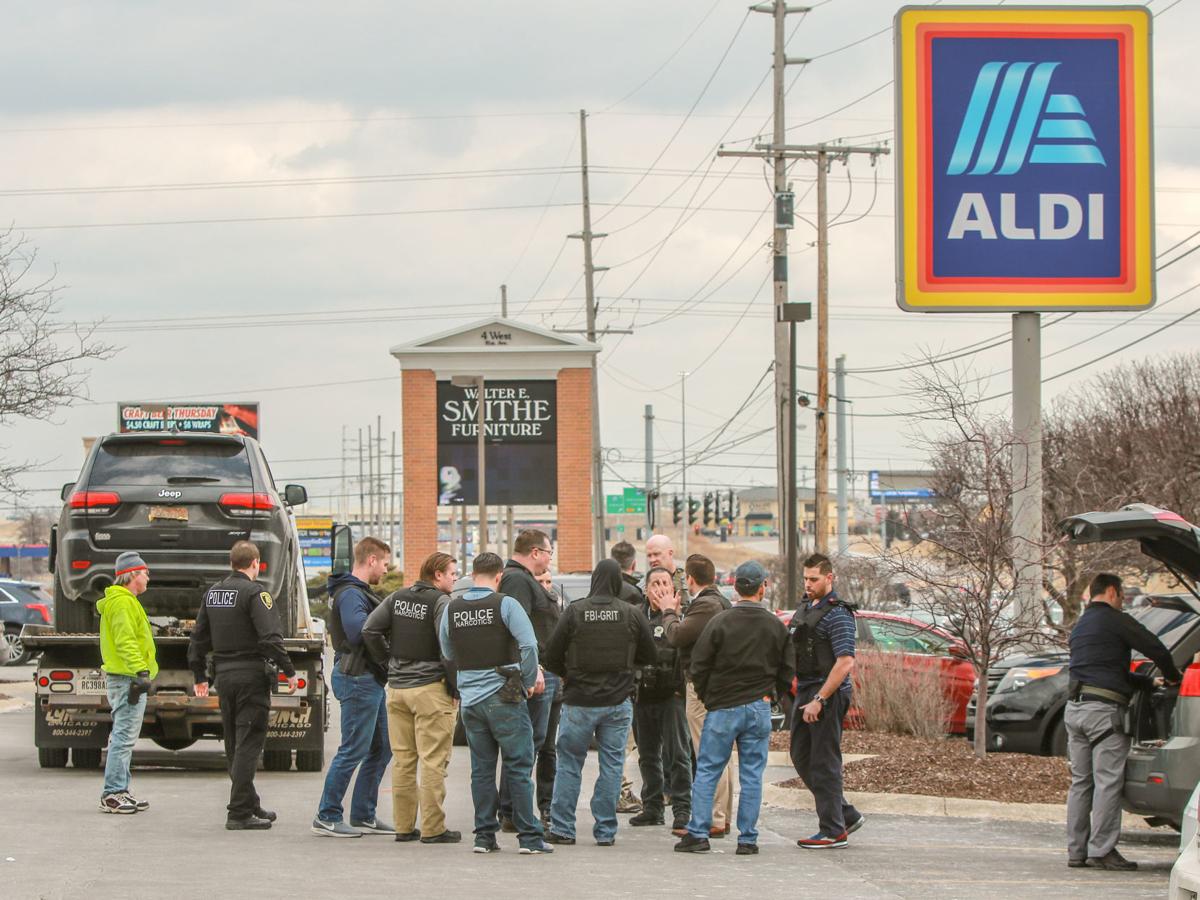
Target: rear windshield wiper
(192, 479)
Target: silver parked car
(1164, 723)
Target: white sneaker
(118, 804)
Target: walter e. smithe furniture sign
(1025, 163)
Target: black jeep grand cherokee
(181, 501)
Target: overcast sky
(259, 198)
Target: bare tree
(41, 356)
(963, 569)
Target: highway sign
(1025, 172)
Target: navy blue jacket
(1102, 644)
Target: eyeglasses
(546, 550)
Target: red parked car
(922, 646)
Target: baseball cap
(749, 576)
(127, 562)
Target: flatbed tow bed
(72, 714)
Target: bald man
(660, 553)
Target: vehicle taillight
(62, 675)
(172, 443)
(43, 681)
(42, 609)
(95, 501)
(244, 504)
(80, 563)
(1191, 682)
(301, 683)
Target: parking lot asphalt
(55, 844)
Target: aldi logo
(1024, 172)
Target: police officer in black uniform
(239, 624)
(596, 646)
(1099, 692)
(664, 742)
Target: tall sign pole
(1024, 184)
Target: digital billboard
(221, 418)
(520, 440)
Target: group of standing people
(664, 657)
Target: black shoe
(251, 823)
(607, 843)
(858, 823)
(691, 844)
(1076, 863)
(747, 850)
(1112, 860)
(446, 837)
(552, 838)
(485, 847)
(267, 814)
(645, 817)
(405, 837)
(507, 826)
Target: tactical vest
(814, 653)
(664, 678)
(478, 634)
(604, 639)
(414, 632)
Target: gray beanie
(127, 562)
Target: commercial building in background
(220, 418)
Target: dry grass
(897, 698)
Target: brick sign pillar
(574, 470)
(418, 407)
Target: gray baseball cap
(748, 577)
(129, 561)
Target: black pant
(547, 760)
(817, 756)
(664, 756)
(245, 705)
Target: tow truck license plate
(171, 513)
(93, 684)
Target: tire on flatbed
(73, 616)
(277, 760)
(310, 760)
(52, 757)
(85, 757)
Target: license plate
(170, 513)
(93, 684)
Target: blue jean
(748, 726)
(576, 728)
(539, 717)
(364, 747)
(126, 726)
(501, 731)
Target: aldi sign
(1024, 177)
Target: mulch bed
(946, 767)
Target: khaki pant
(723, 799)
(421, 727)
(631, 763)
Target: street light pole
(481, 463)
(687, 509)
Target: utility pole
(779, 11)
(649, 417)
(823, 155)
(843, 524)
(589, 282)
(504, 301)
(687, 504)
(392, 502)
(1027, 464)
(343, 506)
(361, 483)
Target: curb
(1133, 827)
(13, 704)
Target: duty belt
(1104, 695)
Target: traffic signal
(735, 506)
(708, 508)
(693, 508)
(676, 509)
